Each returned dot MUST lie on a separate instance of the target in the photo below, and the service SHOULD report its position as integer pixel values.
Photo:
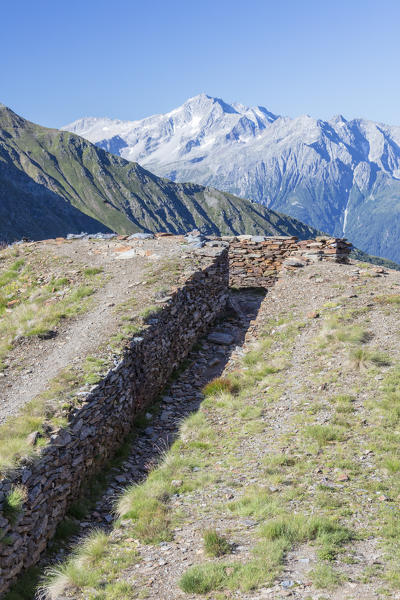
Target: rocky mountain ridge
(55, 182)
(339, 176)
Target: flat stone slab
(141, 236)
(293, 262)
(224, 339)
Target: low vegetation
(34, 298)
(215, 544)
(286, 458)
(84, 569)
(47, 303)
(14, 502)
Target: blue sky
(63, 59)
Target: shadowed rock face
(30, 209)
(53, 182)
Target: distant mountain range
(54, 182)
(339, 176)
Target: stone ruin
(100, 420)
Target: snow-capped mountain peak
(201, 122)
(321, 172)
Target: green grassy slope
(54, 182)
(375, 260)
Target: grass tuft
(215, 544)
(360, 358)
(324, 576)
(80, 570)
(14, 502)
(323, 434)
(220, 385)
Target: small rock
(33, 438)
(293, 262)
(250, 522)
(313, 314)
(213, 362)
(224, 339)
(120, 478)
(47, 335)
(287, 583)
(141, 236)
(383, 498)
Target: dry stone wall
(98, 425)
(256, 261)
(96, 428)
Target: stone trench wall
(52, 481)
(96, 428)
(255, 261)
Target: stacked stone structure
(52, 480)
(256, 261)
(96, 428)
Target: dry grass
(34, 298)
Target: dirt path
(35, 362)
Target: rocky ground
(126, 275)
(306, 382)
(312, 432)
